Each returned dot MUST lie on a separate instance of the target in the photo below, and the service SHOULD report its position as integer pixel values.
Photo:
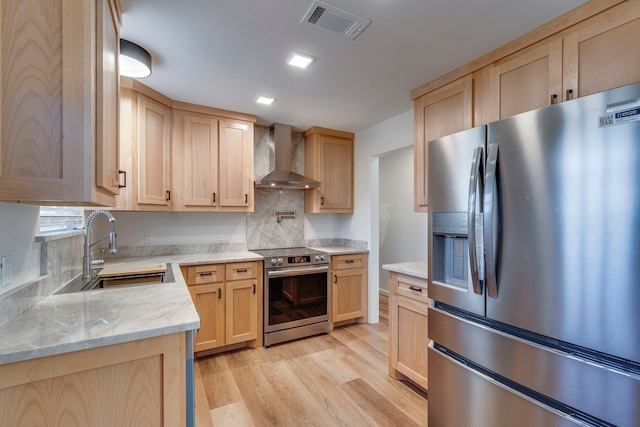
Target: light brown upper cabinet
(183, 157)
(604, 54)
(328, 158)
(212, 160)
(442, 112)
(236, 164)
(526, 81)
(195, 156)
(59, 102)
(145, 152)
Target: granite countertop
(339, 250)
(416, 269)
(62, 323)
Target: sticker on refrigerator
(620, 112)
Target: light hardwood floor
(338, 379)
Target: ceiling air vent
(327, 17)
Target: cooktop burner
(283, 257)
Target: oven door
(295, 297)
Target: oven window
(297, 297)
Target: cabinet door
(241, 311)
(336, 167)
(526, 81)
(348, 295)
(209, 301)
(442, 112)
(236, 165)
(153, 150)
(107, 108)
(409, 326)
(604, 55)
(197, 171)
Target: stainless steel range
(296, 293)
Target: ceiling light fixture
(264, 100)
(134, 60)
(299, 60)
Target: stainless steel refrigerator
(534, 268)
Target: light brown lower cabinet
(408, 325)
(228, 298)
(137, 383)
(349, 289)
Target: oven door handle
(297, 271)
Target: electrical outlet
(220, 235)
(148, 237)
(6, 271)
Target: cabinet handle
(208, 273)
(246, 199)
(214, 197)
(349, 261)
(254, 288)
(414, 288)
(168, 196)
(335, 278)
(120, 172)
(568, 94)
(321, 200)
(219, 293)
(554, 99)
(241, 270)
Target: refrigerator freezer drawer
(588, 386)
(465, 397)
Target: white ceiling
(224, 53)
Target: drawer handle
(349, 261)
(208, 273)
(219, 293)
(241, 270)
(414, 288)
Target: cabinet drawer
(201, 274)
(410, 287)
(242, 270)
(345, 262)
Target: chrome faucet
(86, 261)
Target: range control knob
(321, 258)
(274, 261)
(280, 261)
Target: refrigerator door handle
(474, 179)
(489, 203)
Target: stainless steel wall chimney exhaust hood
(281, 176)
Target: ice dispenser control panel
(450, 250)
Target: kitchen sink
(118, 281)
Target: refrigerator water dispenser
(450, 249)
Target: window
(61, 218)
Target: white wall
(18, 228)
(402, 232)
(370, 143)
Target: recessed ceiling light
(264, 100)
(300, 61)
